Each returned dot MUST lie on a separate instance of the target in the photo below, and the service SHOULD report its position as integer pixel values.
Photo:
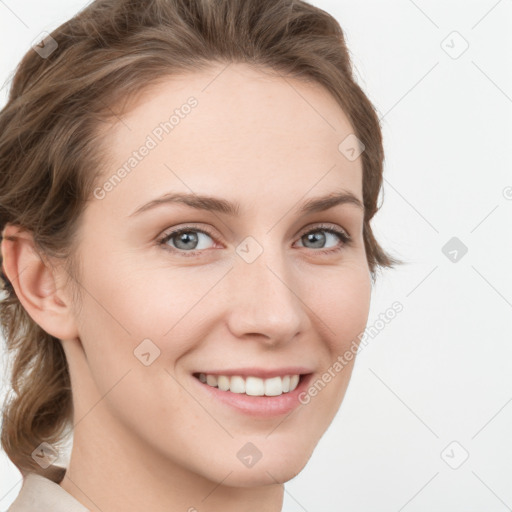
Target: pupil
(316, 238)
(184, 237)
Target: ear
(36, 284)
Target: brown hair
(51, 134)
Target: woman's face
(265, 288)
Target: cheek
(342, 309)
(342, 303)
(122, 319)
(129, 303)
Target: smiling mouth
(252, 386)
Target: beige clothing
(44, 494)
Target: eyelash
(343, 236)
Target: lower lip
(262, 406)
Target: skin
(144, 436)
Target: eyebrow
(216, 204)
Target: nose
(265, 300)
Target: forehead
(232, 128)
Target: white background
(441, 371)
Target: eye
(318, 239)
(189, 240)
(186, 238)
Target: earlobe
(35, 284)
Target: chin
(273, 470)
(253, 477)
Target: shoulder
(44, 494)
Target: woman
(186, 195)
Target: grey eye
(187, 239)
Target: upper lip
(262, 373)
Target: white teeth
(237, 385)
(223, 382)
(253, 386)
(294, 381)
(273, 387)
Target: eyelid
(323, 225)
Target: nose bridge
(264, 299)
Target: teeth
(211, 380)
(237, 385)
(286, 384)
(223, 382)
(274, 386)
(253, 386)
